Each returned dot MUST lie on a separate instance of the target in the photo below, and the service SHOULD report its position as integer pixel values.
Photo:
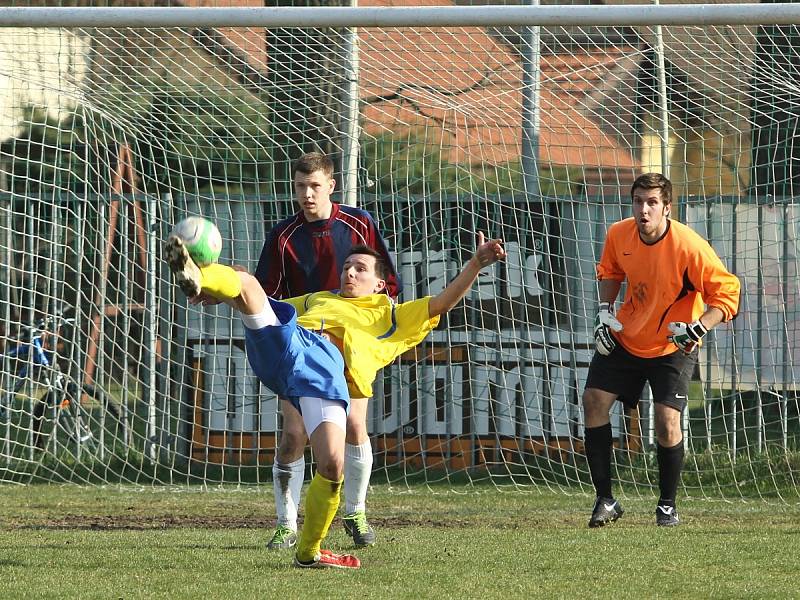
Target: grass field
(82, 542)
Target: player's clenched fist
(489, 251)
(686, 336)
(605, 321)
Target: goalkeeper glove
(686, 336)
(605, 320)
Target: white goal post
(406, 16)
(529, 122)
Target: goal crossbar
(407, 16)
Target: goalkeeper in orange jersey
(677, 290)
(321, 349)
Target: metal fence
(511, 362)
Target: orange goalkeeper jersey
(670, 280)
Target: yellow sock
(322, 502)
(221, 281)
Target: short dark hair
(381, 270)
(313, 161)
(654, 181)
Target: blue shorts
(293, 361)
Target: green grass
(88, 542)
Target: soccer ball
(201, 238)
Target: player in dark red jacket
(303, 254)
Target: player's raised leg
(325, 420)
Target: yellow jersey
(371, 330)
(670, 280)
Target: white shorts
(318, 410)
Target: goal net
(110, 135)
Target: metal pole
(29, 311)
(82, 231)
(758, 350)
(350, 147)
(150, 320)
(734, 370)
(531, 55)
(698, 15)
(787, 347)
(662, 100)
(56, 274)
(6, 377)
(125, 261)
(707, 402)
(107, 236)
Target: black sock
(598, 455)
(670, 461)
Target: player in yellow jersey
(321, 349)
(677, 290)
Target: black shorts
(624, 374)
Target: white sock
(287, 483)
(357, 471)
(265, 318)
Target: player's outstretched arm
(487, 253)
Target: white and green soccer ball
(201, 238)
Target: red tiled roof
(464, 90)
(249, 41)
